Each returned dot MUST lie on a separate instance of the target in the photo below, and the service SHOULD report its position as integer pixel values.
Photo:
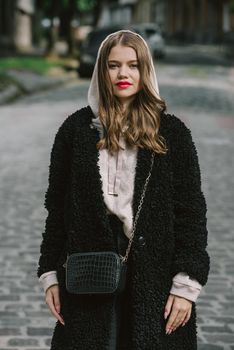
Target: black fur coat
(172, 222)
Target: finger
(172, 318)
(182, 315)
(50, 303)
(183, 320)
(57, 314)
(168, 306)
(187, 317)
(54, 312)
(56, 300)
(179, 319)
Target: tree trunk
(52, 38)
(66, 18)
(97, 12)
(53, 33)
(23, 25)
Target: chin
(125, 95)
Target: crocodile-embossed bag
(101, 272)
(95, 273)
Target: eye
(134, 65)
(111, 66)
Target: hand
(53, 302)
(180, 311)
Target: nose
(122, 72)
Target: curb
(10, 93)
(28, 84)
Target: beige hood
(93, 92)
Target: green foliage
(86, 5)
(34, 64)
(81, 5)
(231, 6)
(45, 6)
(65, 3)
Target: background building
(16, 25)
(203, 21)
(187, 21)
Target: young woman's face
(124, 72)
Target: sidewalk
(206, 54)
(193, 75)
(28, 83)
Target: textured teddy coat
(171, 236)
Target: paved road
(203, 97)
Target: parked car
(153, 36)
(89, 47)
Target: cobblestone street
(201, 96)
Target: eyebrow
(120, 62)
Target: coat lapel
(143, 166)
(87, 140)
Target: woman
(99, 162)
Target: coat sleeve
(54, 237)
(189, 209)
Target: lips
(123, 84)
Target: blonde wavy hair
(142, 116)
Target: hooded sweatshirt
(118, 173)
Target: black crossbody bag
(101, 272)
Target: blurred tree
(97, 11)
(93, 6)
(51, 9)
(231, 6)
(86, 5)
(68, 14)
(66, 11)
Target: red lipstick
(123, 84)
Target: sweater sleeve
(189, 209)
(48, 279)
(185, 287)
(54, 237)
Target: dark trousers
(117, 323)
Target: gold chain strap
(124, 258)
